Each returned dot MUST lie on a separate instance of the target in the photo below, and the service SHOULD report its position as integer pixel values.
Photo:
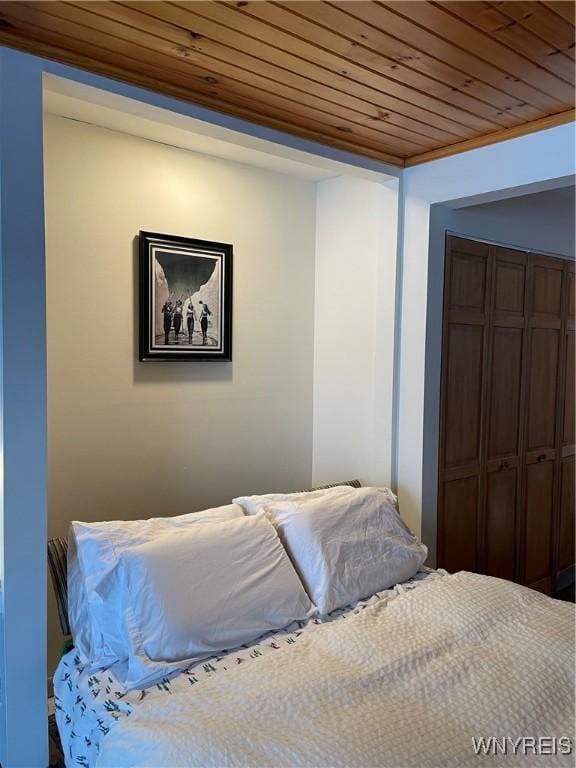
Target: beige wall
(130, 439)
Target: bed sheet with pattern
(90, 701)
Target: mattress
(90, 703)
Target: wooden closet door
(544, 343)
(463, 373)
(503, 415)
(566, 502)
(506, 458)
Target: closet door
(506, 453)
(466, 296)
(503, 416)
(566, 502)
(544, 344)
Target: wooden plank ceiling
(402, 82)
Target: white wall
(526, 164)
(354, 329)
(542, 222)
(130, 439)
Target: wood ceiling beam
(551, 121)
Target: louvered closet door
(543, 353)
(507, 319)
(565, 532)
(464, 340)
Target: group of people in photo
(174, 316)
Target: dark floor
(566, 594)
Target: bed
(440, 670)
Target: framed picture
(185, 298)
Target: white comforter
(405, 683)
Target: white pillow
(212, 588)
(347, 546)
(93, 551)
(78, 615)
(253, 504)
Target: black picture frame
(177, 273)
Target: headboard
(57, 564)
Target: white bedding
(90, 701)
(404, 683)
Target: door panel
(463, 390)
(506, 365)
(566, 530)
(568, 426)
(468, 282)
(542, 380)
(509, 281)
(459, 522)
(500, 524)
(467, 275)
(547, 290)
(539, 501)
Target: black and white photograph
(185, 298)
